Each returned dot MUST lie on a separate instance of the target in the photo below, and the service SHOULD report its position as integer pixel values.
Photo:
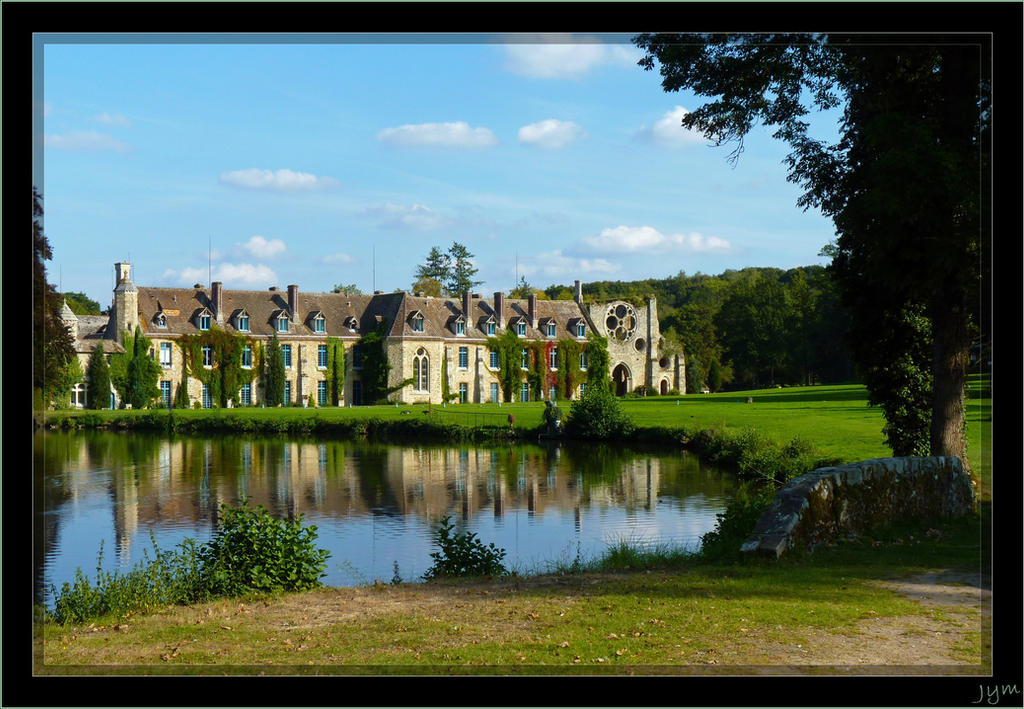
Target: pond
(375, 506)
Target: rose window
(621, 322)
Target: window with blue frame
(583, 389)
(245, 395)
(581, 330)
(204, 322)
(165, 354)
(207, 356)
(321, 393)
(551, 329)
(494, 392)
(287, 392)
(494, 360)
(321, 356)
(463, 358)
(207, 400)
(243, 323)
(319, 324)
(282, 323)
(583, 360)
(554, 358)
(247, 356)
(460, 328)
(521, 328)
(286, 351)
(463, 393)
(525, 393)
(491, 328)
(165, 391)
(417, 323)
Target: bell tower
(125, 313)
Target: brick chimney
(293, 301)
(499, 308)
(465, 306)
(578, 292)
(217, 292)
(533, 310)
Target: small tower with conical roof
(125, 313)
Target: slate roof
(92, 331)
(181, 305)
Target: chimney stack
(499, 308)
(218, 301)
(579, 292)
(293, 301)
(465, 305)
(533, 310)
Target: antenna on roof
(209, 260)
(374, 267)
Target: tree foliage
(446, 273)
(273, 373)
(97, 391)
(52, 345)
(901, 184)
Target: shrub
(598, 415)
(251, 552)
(462, 554)
(256, 552)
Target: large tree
(460, 279)
(53, 348)
(432, 274)
(902, 183)
(97, 391)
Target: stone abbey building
(425, 338)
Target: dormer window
(522, 328)
(160, 320)
(581, 330)
(547, 326)
(351, 323)
(242, 322)
(519, 324)
(417, 321)
(282, 323)
(551, 329)
(319, 323)
(459, 326)
(203, 319)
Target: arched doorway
(622, 379)
(664, 386)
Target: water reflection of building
(187, 480)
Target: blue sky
(272, 162)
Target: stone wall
(829, 503)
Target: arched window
(421, 370)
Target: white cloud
(668, 131)
(397, 216)
(550, 133)
(85, 140)
(645, 238)
(228, 273)
(555, 264)
(112, 120)
(263, 248)
(445, 135)
(564, 57)
(276, 180)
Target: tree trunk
(949, 369)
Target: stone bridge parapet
(834, 502)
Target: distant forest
(755, 327)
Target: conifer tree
(97, 390)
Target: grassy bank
(835, 420)
(673, 614)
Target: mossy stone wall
(829, 503)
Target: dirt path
(949, 639)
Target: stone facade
(425, 337)
(830, 503)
